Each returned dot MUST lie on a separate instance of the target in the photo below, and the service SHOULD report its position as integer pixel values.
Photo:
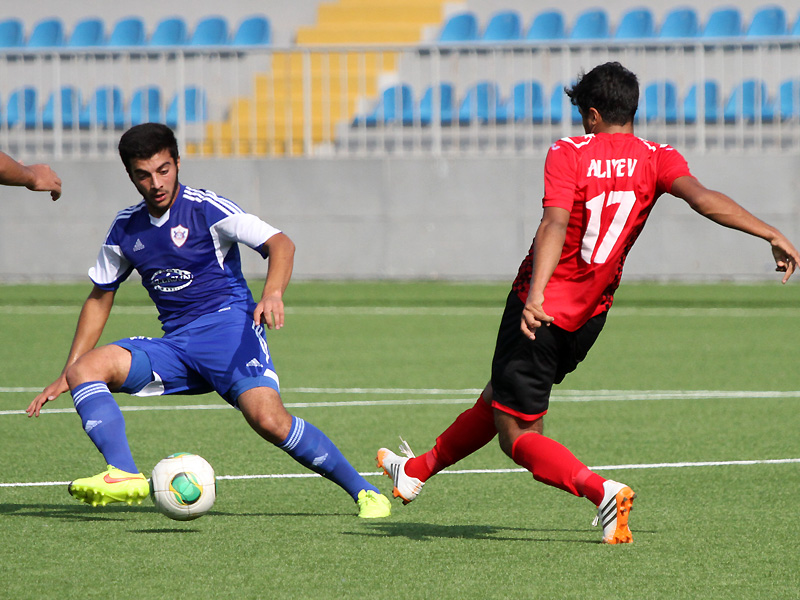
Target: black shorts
(524, 370)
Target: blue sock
(103, 422)
(314, 450)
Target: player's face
(156, 178)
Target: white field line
(454, 311)
(558, 396)
(644, 466)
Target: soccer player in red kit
(599, 191)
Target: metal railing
(388, 100)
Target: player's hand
(51, 392)
(533, 317)
(45, 180)
(270, 312)
(786, 257)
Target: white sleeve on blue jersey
(243, 228)
(111, 268)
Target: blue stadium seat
(48, 33)
(503, 26)
(769, 20)
(70, 108)
(590, 25)
(723, 22)
(547, 25)
(21, 108)
(557, 99)
(789, 99)
(426, 106)
(88, 32)
(169, 32)
(748, 102)
(195, 107)
(711, 103)
(796, 29)
(104, 109)
(127, 32)
(253, 31)
(396, 105)
(146, 106)
(635, 24)
(12, 34)
(482, 104)
(210, 31)
(680, 23)
(462, 27)
(527, 102)
(659, 102)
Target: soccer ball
(183, 487)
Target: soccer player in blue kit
(183, 243)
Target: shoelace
(406, 449)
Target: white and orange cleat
(614, 511)
(405, 487)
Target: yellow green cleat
(112, 485)
(372, 505)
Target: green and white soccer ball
(183, 486)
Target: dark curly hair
(146, 140)
(611, 89)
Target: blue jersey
(188, 258)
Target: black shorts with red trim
(524, 370)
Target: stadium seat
(48, 33)
(253, 31)
(547, 25)
(195, 107)
(635, 24)
(127, 32)
(590, 25)
(789, 99)
(12, 34)
(723, 22)
(70, 108)
(426, 106)
(482, 104)
(796, 29)
(503, 26)
(660, 102)
(88, 32)
(557, 100)
(527, 102)
(767, 21)
(169, 32)
(749, 102)
(146, 106)
(104, 109)
(396, 105)
(462, 27)
(21, 108)
(210, 31)
(680, 23)
(711, 102)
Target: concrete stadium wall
(403, 218)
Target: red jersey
(609, 183)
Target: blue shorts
(225, 352)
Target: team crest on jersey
(179, 235)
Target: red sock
(555, 465)
(471, 431)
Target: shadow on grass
(78, 512)
(427, 532)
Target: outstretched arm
(38, 178)
(91, 323)
(547, 247)
(721, 209)
(280, 250)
